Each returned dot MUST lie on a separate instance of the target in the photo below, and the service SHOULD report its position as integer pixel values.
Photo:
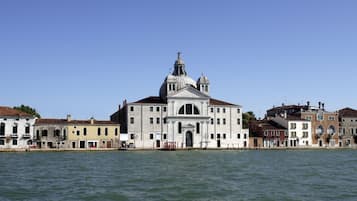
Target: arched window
(98, 131)
(179, 127)
(195, 110)
(2, 129)
(182, 110)
(320, 130)
(331, 130)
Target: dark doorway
(189, 140)
(109, 144)
(218, 143)
(255, 142)
(158, 143)
(73, 145)
(82, 144)
(355, 139)
(49, 145)
(320, 143)
(278, 143)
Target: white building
(16, 129)
(183, 116)
(299, 130)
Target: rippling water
(180, 175)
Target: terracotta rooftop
(268, 124)
(219, 102)
(8, 111)
(295, 118)
(347, 112)
(64, 121)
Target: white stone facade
(16, 131)
(183, 116)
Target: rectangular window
(293, 134)
(44, 133)
(165, 136)
(179, 127)
(211, 109)
(14, 142)
(84, 131)
(331, 118)
(151, 120)
(2, 142)
(218, 136)
(308, 118)
(151, 109)
(165, 120)
(27, 129)
(157, 109)
(238, 136)
(158, 120)
(218, 121)
(238, 110)
(245, 136)
(132, 136)
(293, 125)
(320, 117)
(106, 131)
(305, 134)
(78, 133)
(14, 129)
(151, 136)
(98, 131)
(217, 110)
(224, 121)
(212, 121)
(131, 120)
(212, 136)
(238, 121)
(188, 109)
(116, 132)
(197, 127)
(132, 108)
(164, 109)
(224, 110)
(305, 126)
(224, 136)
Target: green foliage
(28, 109)
(248, 116)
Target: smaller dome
(203, 79)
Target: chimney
(308, 103)
(119, 106)
(285, 114)
(92, 120)
(323, 106)
(69, 118)
(319, 105)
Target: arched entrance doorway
(189, 140)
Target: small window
(293, 125)
(157, 109)
(218, 121)
(188, 109)
(165, 120)
(132, 136)
(116, 131)
(98, 131)
(2, 142)
(132, 108)
(224, 121)
(217, 110)
(305, 126)
(44, 133)
(14, 142)
(151, 136)
(332, 118)
(212, 136)
(238, 110)
(211, 109)
(106, 131)
(197, 128)
(14, 129)
(165, 136)
(224, 136)
(131, 120)
(84, 131)
(218, 136)
(158, 120)
(78, 133)
(212, 121)
(164, 108)
(151, 109)
(245, 136)
(179, 127)
(238, 135)
(224, 110)
(151, 120)
(238, 121)
(27, 129)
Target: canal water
(180, 175)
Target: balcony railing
(14, 135)
(26, 135)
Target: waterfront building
(267, 134)
(348, 127)
(184, 115)
(16, 128)
(83, 134)
(324, 124)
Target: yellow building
(73, 134)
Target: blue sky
(84, 57)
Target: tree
(247, 117)
(28, 109)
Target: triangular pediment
(189, 92)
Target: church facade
(182, 116)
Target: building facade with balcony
(16, 129)
(76, 134)
(182, 116)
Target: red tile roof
(8, 111)
(219, 102)
(64, 121)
